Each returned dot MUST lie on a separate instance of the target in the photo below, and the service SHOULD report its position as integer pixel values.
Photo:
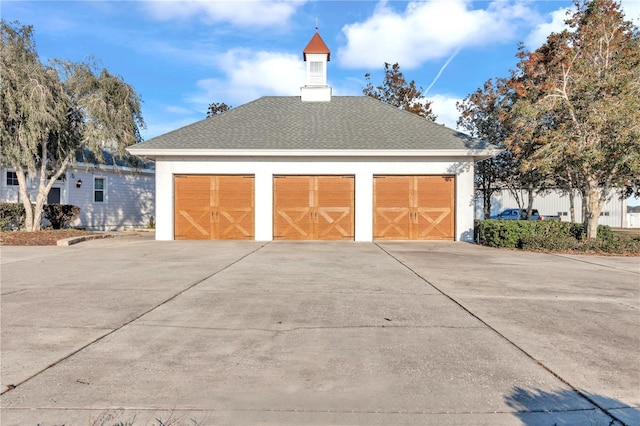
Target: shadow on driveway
(525, 402)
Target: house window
(12, 179)
(315, 72)
(604, 213)
(99, 187)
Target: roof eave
(476, 154)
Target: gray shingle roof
(285, 122)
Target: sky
(180, 56)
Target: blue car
(517, 214)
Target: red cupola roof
(316, 45)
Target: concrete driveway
(134, 330)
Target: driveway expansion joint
(346, 327)
(293, 410)
(593, 263)
(112, 331)
(598, 406)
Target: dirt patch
(47, 237)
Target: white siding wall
(633, 220)
(555, 203)
(129, 198)
(362, 169)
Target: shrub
(605, 233)
(613, 244)
(554, 242)
(12, 216)
(552, 236)
(497, 233)
(60, 215)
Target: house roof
(316, 45)
(108, 158)
(286, 124)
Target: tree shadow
(568, 407)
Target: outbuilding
(315, 167)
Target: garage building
(314, 167)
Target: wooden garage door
(413, 208)
(313, 207)
(214, 207)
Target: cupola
(316, 55)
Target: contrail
(440, 72)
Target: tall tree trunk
(23, 189)
(487, 206)
(583, 200)
(529, 201)
(38, 208)
(572, 201)
(487, 193)
(572, 206)
(33, 212)
(592, 206)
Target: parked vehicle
(517, 214)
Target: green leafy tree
(484, 114)
(632, 188)
(49, 112)
(481, 116)
(396, 91)
(217, 108)
(578, 105)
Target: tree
(485, 115)
(49, 112)
(632, 188)
(578, 105)
(395, 91)
(481, 116)
(217, 108)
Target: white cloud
(444, 106)
(243, 13)
(249, 75)
(427, 30)
(539, 35)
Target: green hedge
(12, 215)
(60, 215)
(551, 235)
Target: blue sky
(182, 55)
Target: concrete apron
(112, 331)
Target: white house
(109, 199)
(314, 167)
